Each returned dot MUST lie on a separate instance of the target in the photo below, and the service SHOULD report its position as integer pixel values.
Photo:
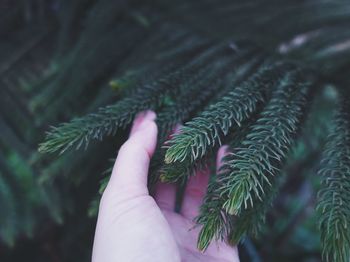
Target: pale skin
(134, 226)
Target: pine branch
(232, 70)
(226, 68)
(144, 67)
(333, 198)
(251, 220)
(194, 94)
(149, 96)
(217, 223)
(250, 168)
(107, 120)
(204, 131)
(243, 187)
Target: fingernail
(150, 115)
(141, 120)
(222, 152)
(176, 130)
(223, 149)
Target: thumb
(129, 175)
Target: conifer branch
(215, 221)
(245, 188)
(251, 167)
(224, 70)
(217, 81)
(334, 196)
(252, 219)
(106, 122)
(204, 131)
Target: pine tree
(243, 74)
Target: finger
(129, 175)
(165, 196)
(197, 187)
(165, 193)
(194, 193)
(139, 118)
(222, 152)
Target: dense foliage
(268, 78)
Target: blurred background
(61, 59)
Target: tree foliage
(217, 67)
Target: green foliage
(235, 107)
(251, 167)
(247, 183)
(216, 66)
(334, 206)
(108, 120)
(24, 64)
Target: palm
(187, 241)
(183, 228)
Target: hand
(133, 226)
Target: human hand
(133, 226)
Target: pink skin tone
(134, 226)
